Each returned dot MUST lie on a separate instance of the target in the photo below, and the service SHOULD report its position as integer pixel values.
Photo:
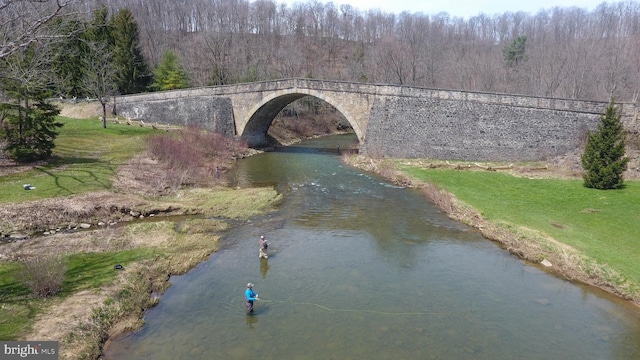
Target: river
(360, 268)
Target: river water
(362, 269)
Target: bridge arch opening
(297, 113)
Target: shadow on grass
(55, 170)
(12, 290)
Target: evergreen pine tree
(169, 74)
(66, 62)
(514, 53)
(29, 130)
(132, 71)
(604, 159)
(100, 29)
(28, 122)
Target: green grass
(92, 270)
(16, 306)
(603, 225)
(86, 158)
(84, 271)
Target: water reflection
(358, 269)
(264, 267)
(251, 321)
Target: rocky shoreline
(65, 215)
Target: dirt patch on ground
(81, 110)
(64, 317)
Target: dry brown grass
(63, 317)
(80, 110)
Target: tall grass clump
(194, 156)
(43, 274)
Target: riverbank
(528, 243)
(121, 230)
(145, 239)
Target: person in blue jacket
(250, 296)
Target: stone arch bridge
(389, 120)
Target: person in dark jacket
(264, 245)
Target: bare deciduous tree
(24, 22)
(100, 75)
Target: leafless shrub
(440, 198)
(387, 170)
(191, 156)
(43, 274)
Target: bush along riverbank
(536, 212)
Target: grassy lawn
(86, 158)
(603, 225)
(84, 271)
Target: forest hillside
(557, 52)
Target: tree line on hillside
(558, 52)
(565, 52)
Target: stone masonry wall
(470, 130)
(212, 113)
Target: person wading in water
(249, 297)
(264, 244)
